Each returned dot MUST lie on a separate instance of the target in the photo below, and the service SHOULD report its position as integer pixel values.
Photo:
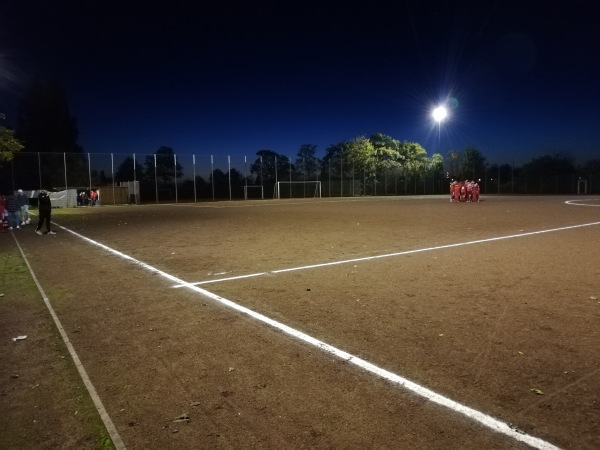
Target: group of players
(464, 191)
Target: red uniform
(453, 191)
(469, 197)
(476, 192)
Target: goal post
(297, 189)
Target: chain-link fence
(506, 179)
(183, 178)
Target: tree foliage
(165, 168)
(307, 163)
(378, 154)
(333, 163)
(270, 167)
(549, 165)
(473, 164)
(9, 144)
(413, 157)
(125, 171)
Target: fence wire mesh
(204, 177)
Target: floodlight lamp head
(439, 113)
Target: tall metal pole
(329, 184)
(212, 176)
(229, 172)
(66, 187)
(175, 176)
(135, 191)
(112, 170)
(194, 167)
(155, 180)
(90, 171)
(341, 176)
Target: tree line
(45, 126)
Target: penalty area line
(389, 255)
(472, 414)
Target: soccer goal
(254, 192)
(297, 189)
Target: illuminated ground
(493, 305)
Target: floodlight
(439, 113)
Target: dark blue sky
(236, 77)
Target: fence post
(112, 170)
(212, 176)
(155, 179)
(65, 162)
(39, 169)
(90, 172)
(175, 176)
(341, 176)
(194, 169)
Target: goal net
(297, 189)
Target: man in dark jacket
(12, 207)
(45, 210)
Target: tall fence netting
(166, 178)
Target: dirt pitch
(509, 327)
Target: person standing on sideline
(45, 210)
(12, 207)
(3, 223)
(23, 203)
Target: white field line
(477, 416)
(389, 255)
(110, 427)
(579, 202)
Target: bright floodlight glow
(439, 113)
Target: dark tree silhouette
(165, 169)
(125, 170)
(307, 164)
(272, 164)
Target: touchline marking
(389, 255)
(477, 416)
(110, 427)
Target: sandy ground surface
(419, 287)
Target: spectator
(3, 222)
(45, 211)
(23, 203)
(12, 207)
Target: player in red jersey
(475, 191)
(469, 188)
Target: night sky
(521, 78)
